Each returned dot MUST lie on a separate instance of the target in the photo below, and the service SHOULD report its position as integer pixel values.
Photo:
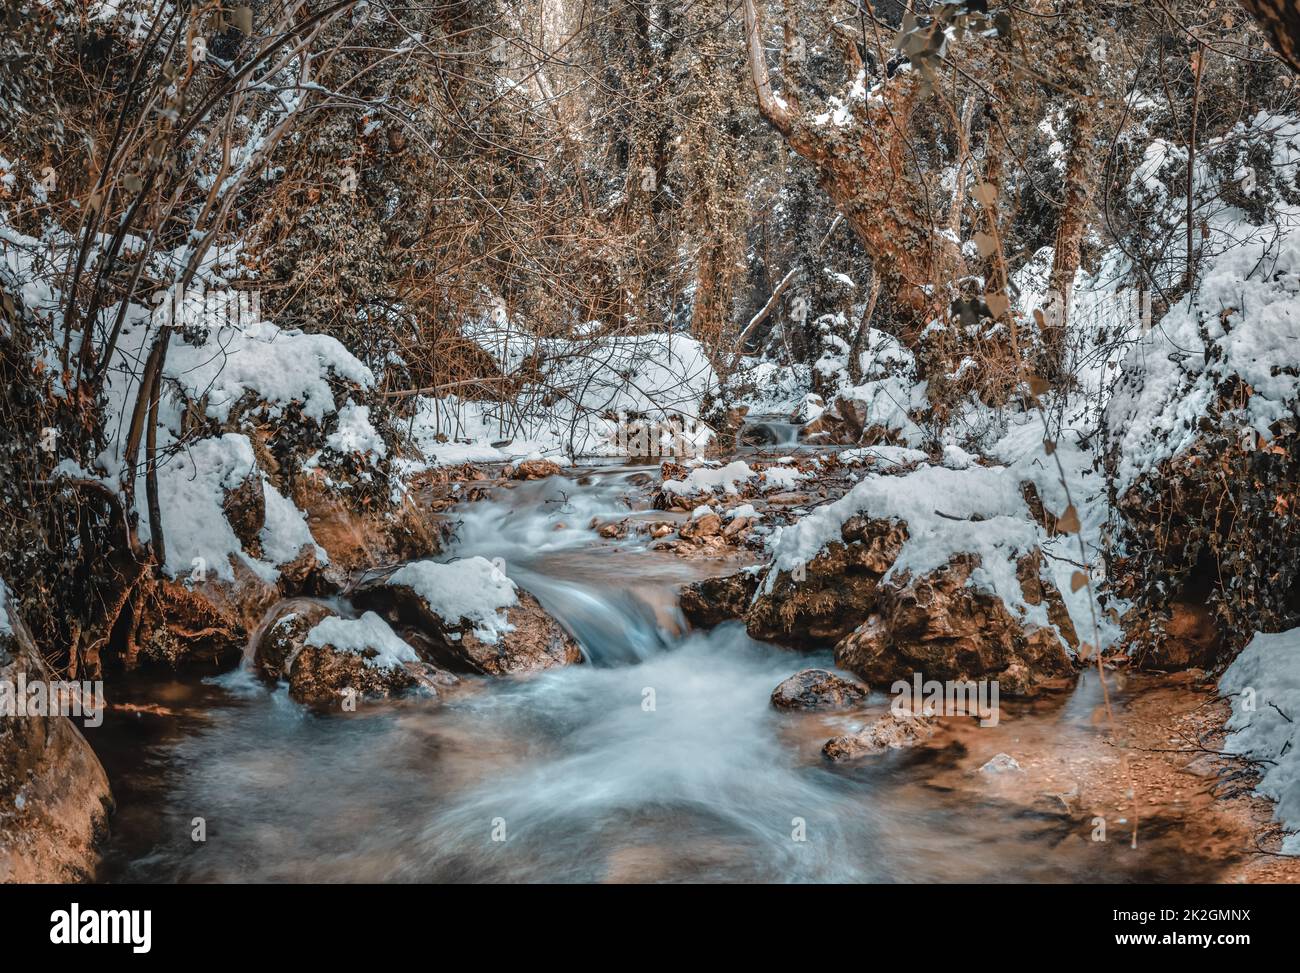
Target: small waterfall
(540, 529)
(770, 432)
(614, 626)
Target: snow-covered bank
(1264, 683)
(576, 398)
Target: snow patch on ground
(586, 385)
(707, 479)
(450, 431)
(781, 478)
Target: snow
(590, 383)
(1264, 681)
(883, 456)
(765, 387)
(355, 434)
(364, 635)
(279, 367)
(470, 590)
(706, 479)
(191, 490)
(1242, 321)
(450, 431)
(781, 478)
(285, 530)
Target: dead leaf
(1078, 580)
(1068, 521)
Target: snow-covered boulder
(937, 571)
(470, 617)
(940, 625)
(342, 660)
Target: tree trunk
(1281, 21)
(1070, 228)
(864, 169)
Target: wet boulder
(284, 638)
(713, 601)
(941, 625)
(342, 660)
(468, 616)
(182, 626)
(818, 604)
(701, 528)
(817, 689)
(895, 730)
(535, 469)
(54, 796)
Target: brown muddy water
(658, 760)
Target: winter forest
(637, 441)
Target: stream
(658, 760)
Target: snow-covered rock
(342, 660)
(469, 616)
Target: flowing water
(660, 759)
(771, 433)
